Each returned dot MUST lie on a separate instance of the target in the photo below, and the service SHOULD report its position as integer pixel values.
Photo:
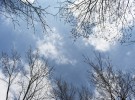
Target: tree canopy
(112, 20)
(103, 17)
(28, 10)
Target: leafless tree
(26, 10)
(86, 14)
(110, 84)
(63, 90)
(10, 67)
(32, 80)
(85, 94)
(36, 78)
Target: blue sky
(60, 49)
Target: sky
(62, 52)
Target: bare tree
(26, 10)
(63, 90)
(32, 80)
(38, 72)
(10, 67)
(86, 14)
(85, 94)
(110, 84)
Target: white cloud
(99, 44)
(52, 46)
(103, 40)
(104, 37)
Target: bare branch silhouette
(110, 84)
(84, 15)
(64, 90)
(32, 79)
(30, 12)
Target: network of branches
(106, 18)
(110, 84)
(32, 77)
(85, 15)
(26, 10)
(33, 80)
(27, 81)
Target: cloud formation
(52, 46)
(109, 30)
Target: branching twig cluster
(110, 84)
(25, 10)
(86, 14)
(30, 79)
